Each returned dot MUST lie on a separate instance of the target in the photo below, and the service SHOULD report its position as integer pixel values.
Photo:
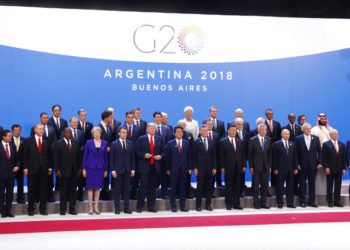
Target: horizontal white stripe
(109, 35)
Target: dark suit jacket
(33, 160)
(143, 125)
(283, 162)
(293, 135)
(65, 161)
(171, 128)
(63, 125)
(253, 133)
(115, 129)
(220, 128)
(136, 132)
(260, 160)
(246, 126)
(143, 147)
(276, 131)
(336, 162)
(79, 139)
(120, 160)
(204, 160)
(88, 128)
(109, 138)
(348, 152)
(177, 161)
(308, 159)
(7, 165)
(20, 152)
(51, 138)
(166, 134)
(229, 159)
(246, 138)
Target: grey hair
(238, 119)
(305, 125)
(259, 120)
(262, 125)
(188, 108)
(97, 128)
(73, 118)
(333, 131)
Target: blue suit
(122, 161)
(136, 132)
(178, 163)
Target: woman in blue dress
(95, 167)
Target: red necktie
(209, 136)
(69, 146)
(129, 132)
(40, 146)
(7, 152)
(152, 151)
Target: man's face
(323, 121)
(74, 123)
(16, 132)
(269, 115)
(151, 129)
(307, 130)
(137, 114)
(239, 114)
(302, 120)
(213, 113)
(165, 120)
(123, 133)
(291, 119)
(7, 138)
(44, 119)
(239, 125)
(204, 131)
(129, 119)
(334, 136)
(178, 134)
(39, 130)
(285, 135)
(262, 131)
(82, 116)
(56, 112)
(232, 131)
(109, 119)
(158, 119)
(209, 125)
(67, 133)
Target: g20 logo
(148, 38)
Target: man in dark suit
(165, 122)
(204, 167)
(67, 163)
(77, 134)
(233, 164)
(107, 135)
(84, 125)
(138, 121)
(239, 113)
(18, 141)
(244, 136)
(58, 123)
(259, 155)
(284, 166)
(178, 156)
(36, 167)
(301, 119)
(309, 157)
(50, 136)
(149, 153)
(134, 132)
(218, 125)
(122, 164)
(258, 121)
(115, 124)
(334, 163)
(8, 169)
(166, 135)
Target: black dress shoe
(73, 212)
(152, 210)
(174, 210)
(62, 213)
(238, 208)
(198, 209)
(43, 212)
(184, 210)
(209, 208)
(139, 210)
(213, 196)
(265, 207)
(312, 205)
(30, 213)
(51, 200)
(302, 204)
(228, 208)
(10, 215)
(291, 206)
(117, 211)
(338, 205)
(21, 201)
(127, 211)
(330, 205)
(280, 207)
(257, 206)
(3, 215)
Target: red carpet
(170, 222)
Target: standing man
(8, 169)
(67, 163)
(178, 156)
(259, 155)
(204, 166)
(309, 157)
(138, 121)
(334, 164)
(218, 125)
(115, 124)
(239, 113)
(165, 122)
(233, 164)
(258, 121)
(273, 127)
(122, 163)
(294, 129)
(77, 134)
(149, 153)
(19, 142)
(284, 166)
(84, 125)
(302, 119)
(58, 123)
(36, 167)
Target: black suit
(245, 139)
(143, 125)
(308, 159)
(115, 125)
(232, 160)
(19, 174)
(260, 160)
(67, 162)
(58, 130)
(37, 164)
(285, 162)
(275, 134)
(86, 130)
(205, 161)
(219, 128)
(246, 126)
(294, 133)
(7, 177)
(336, 162)
(216, 138)
(188, 137)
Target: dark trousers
(135, 184)
(188, 186)
(121, 188)
(38, 182)
(232, 188)
(68, 192)
(50, 185)
(81, 185)
(105, 189)
(289, 180)
(333, 181)
(297, 183)
(204, 187)
(148, 186)
(6, 195)
(164, 180)
(218, 179)
(260, 184)
(178, 185)
(242, 186)
(19, 181)
(307, 178)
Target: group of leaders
(135, 158)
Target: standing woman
(191, 124)
(95, 167)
